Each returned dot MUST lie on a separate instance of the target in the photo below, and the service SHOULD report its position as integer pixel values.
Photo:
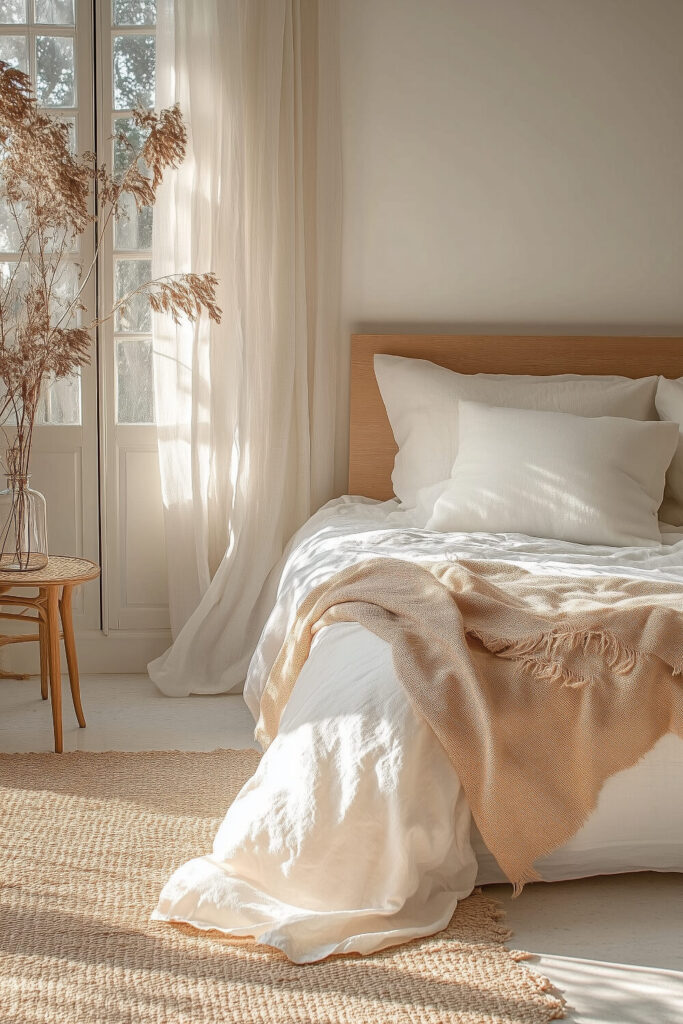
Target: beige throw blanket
(539, 687)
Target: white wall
(512, 165)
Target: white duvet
(354, 833)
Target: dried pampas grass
(51, 195)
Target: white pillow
(422, 398)
(551, 474)
(669, 402)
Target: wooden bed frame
(371, 442)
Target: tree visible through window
(55, 78)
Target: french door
(95, 455)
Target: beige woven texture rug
(87, 841)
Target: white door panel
(143, 594)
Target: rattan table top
(60, 570)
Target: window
(132, 58)
(94, 455)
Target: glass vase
(23, 515)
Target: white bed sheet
(354, 833)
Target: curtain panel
(246, 409)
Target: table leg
(44, 642)
(55, 664)
(70, 648)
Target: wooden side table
(55, 583)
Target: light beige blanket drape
(539, 687)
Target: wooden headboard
(371, 442)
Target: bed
(355, 786)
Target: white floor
(122, 713)
(613, 946)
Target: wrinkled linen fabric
(331, 847)
(354, 833)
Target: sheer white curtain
(245, 410)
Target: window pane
(12, 12)
(55, 12)
(71, 123)
(64, 289)
(133, 226)
(136, 317)
(10, 238)
(135, 137)
(134, 71)
(18, 276)
(134, 381)
(60, 402)
(55, 86)
(14, 51)
(55, 240)
(134, 12)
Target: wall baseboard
(119, 651)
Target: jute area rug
(87, 841)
